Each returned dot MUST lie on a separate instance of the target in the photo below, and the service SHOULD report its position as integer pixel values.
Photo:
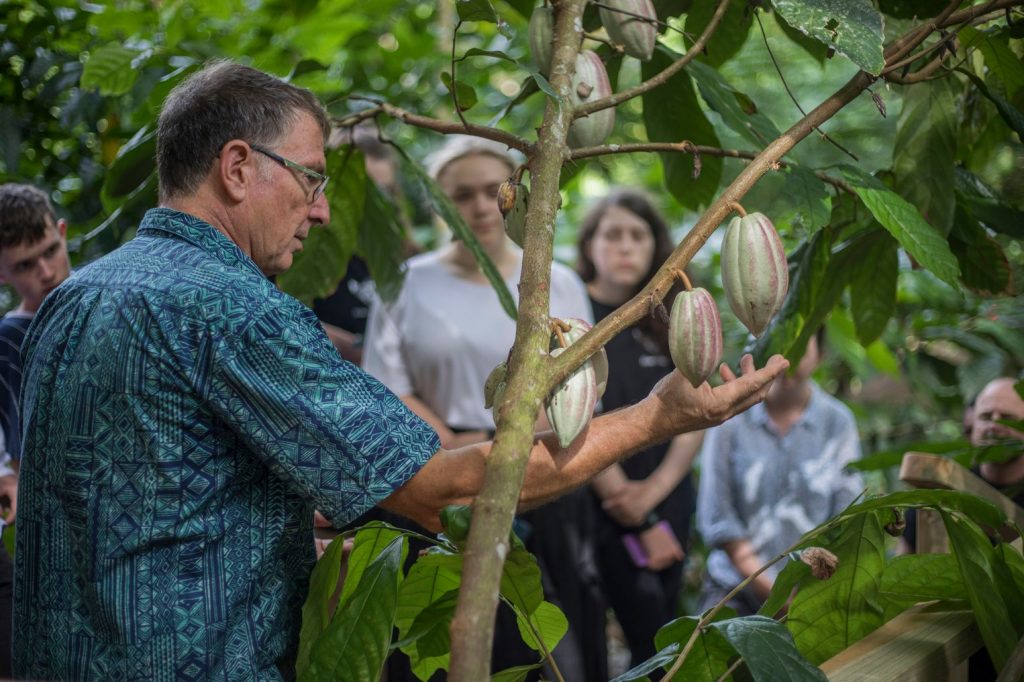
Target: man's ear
(236, 169)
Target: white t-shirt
(443, 335)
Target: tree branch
(453, 128)
(653, 82)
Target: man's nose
(320, 211)
(46, 271)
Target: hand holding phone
(655, 548)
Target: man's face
(998, 400)
(35, 269)
(282, 213)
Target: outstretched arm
(673, 407)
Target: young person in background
(646, 503)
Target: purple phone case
(636, 550)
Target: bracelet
(651, 521)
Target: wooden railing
(923, 643)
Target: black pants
(6, 615)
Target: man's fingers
(726, 371)
(747, 364)
(752, 387)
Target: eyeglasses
(319, 179)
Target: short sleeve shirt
(182, 419)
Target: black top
(12, 334)
(349, 306)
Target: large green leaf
(804, 202)
(979, 510)
(710, 656)
(476, 10)
(431, 628)
(431, 578)
(369, 542)
(323, 585)
(792, 575)
(915, 578)
(520, 581)
(1011, 114)
(355, 644)
(731, 34)
(672, 114)
(975, 557)
(317, 269)
(382, 243)
(661, 660)
(896, 214)
(982, 202)
(1001, 60)
(517, 674)
(444, 207)
(984, 266)
(826, 616)
(110, 70)
(925, 151)
(768, 649)
(873, 290)
(851, 27)
(548, 621)
(737, 111)
(463, 91)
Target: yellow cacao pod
(590, 83)
(628, 28)
(755, 274)
(695, 335)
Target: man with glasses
(183, 417)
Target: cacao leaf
(1011, 114)
(323, 584)
(549, 622)
(826, 616)
(730, 35)
(792, 575)
(850, 27)
(134, 164)
(430, 629)
(355, 644)
(914, 578)
(660, 661)
(520, 582)
(982, 202)
(725, 100)
(381, 242)
(984, 266)
(431, 578)
(476, 10)
(516, 674)
(975, 555)
(672, 114)
(710, 656)
(768, 649)
(368, 543)
(317, 269)
(980, 511)
(904, 222)
(1000, 59)
(110, 70)
(873, 290)
(924, 154)
(803, 203)
(818, 51)
(444, 207)
(463, 92)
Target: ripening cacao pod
(542, 23)
(571, 405)
(599, 359)
(590, 83)
(695, 335)
(636, 36)
(513, 198)
(755, 274)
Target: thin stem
(778, 70)
(730, 670)
(683, 278)
(455, 89)
(735, 205)
(663, 77)
(453, 128)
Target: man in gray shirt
(768, 476)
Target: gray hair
(222, 102)
(460, 146)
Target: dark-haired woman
(646, 503)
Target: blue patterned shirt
(182, 418)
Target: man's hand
(690, 409)
(8, 497)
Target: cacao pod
(755, 274)
(542, 23)
(590, 83)
(636, 36)
(494, 386)
(695, 335)
(513, 198)
(599, 359)
(570, 406)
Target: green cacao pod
(695, 335)
(541, 29)
(513, 198)
(636, 36)
(570, 406)
(755, 274)
(599, 359)
(494, 386)
(588, 84)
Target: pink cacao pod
(695, 335)
(570, 407)
(590, 83)
(599, 359)
(636, 36)
(755, 274)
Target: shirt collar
(759, 413)
(198, 232)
